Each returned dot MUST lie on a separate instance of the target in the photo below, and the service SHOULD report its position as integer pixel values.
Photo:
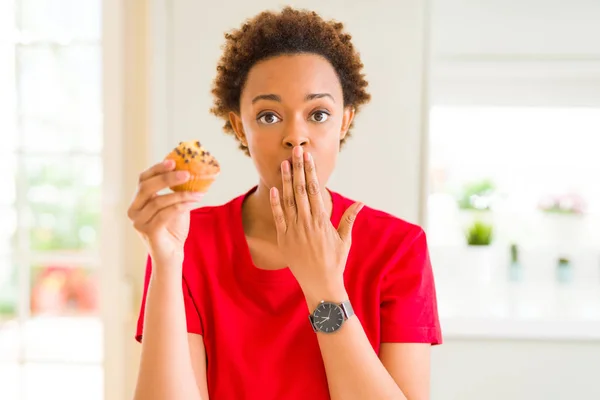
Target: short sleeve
(408, 298)
(192, 315)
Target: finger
(148, 188)
(278, 215)
(158, 203)
(289, 202)
(161, 218)
(299, 180)
(312, 187)
(347, 222)
(156, 169)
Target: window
(514, 210)
(51, 174)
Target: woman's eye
(268, 119)
(320, 116)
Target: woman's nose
(296, 135)
(291, 143)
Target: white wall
(515, 370)
(543, 52)
(388, 137)
(516, 28)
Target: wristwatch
(329, 317)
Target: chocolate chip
(187, 161)
(198, 143)
(189, 151)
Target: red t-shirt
(258, 339)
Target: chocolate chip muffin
(203, 167)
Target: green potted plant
(480, 233)
(479, 257)
(564, 270)
(515, 271)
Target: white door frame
(136, 100)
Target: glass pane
(8, 178)
(65, 382)
(7, 88)
(45, 136)
(8, 229)
(9, 328)
(61, 19)
(60, 88)
(8, 288)
(65, 319)
(63, 202)
(63, 290)
(10, 376)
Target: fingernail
(197, 195)
(182, 174)
(285, 166)
(168, 163)
(307, 156)
(298, 151)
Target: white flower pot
(564, 230)
(479, 264)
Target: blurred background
(484, 128)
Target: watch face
(328, 317)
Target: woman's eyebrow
(313, 96)
(272, 97)
(277, 98)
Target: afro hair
(290, 31)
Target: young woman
(290, 290)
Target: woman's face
(288, 101)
